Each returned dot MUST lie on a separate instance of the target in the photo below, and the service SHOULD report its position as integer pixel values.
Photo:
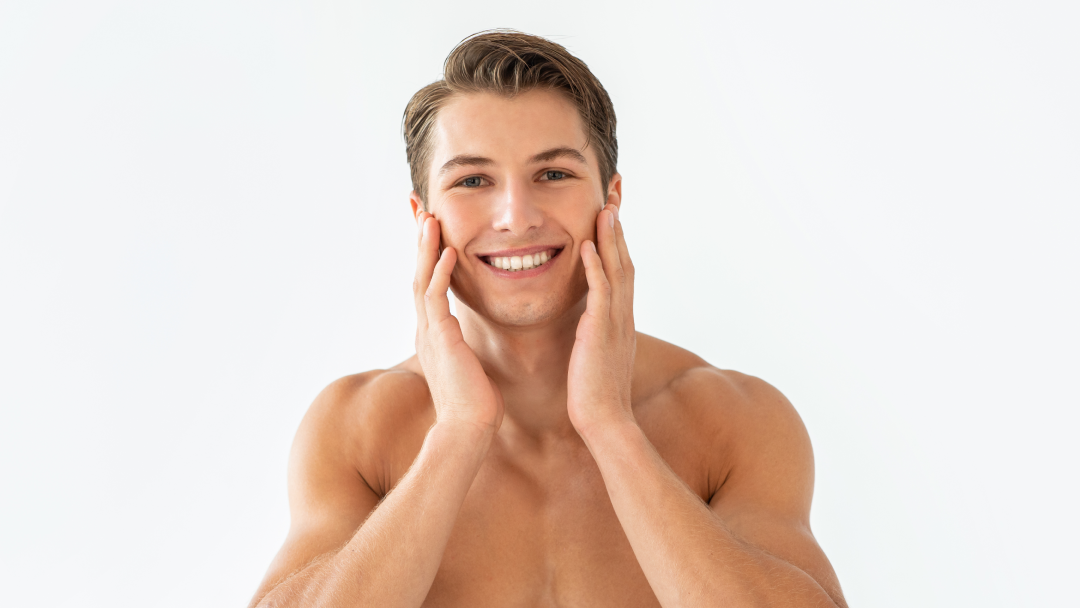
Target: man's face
(512, 178)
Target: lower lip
(523, 274)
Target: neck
(529, 365)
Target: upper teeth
(521, 262)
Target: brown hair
(508, 62)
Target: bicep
(328, 498)
(765, 500)
(781, 536)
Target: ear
(614, 193)
(416, 203)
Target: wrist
(599, 434)
(453, 436)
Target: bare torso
(537, 527)
(544, 453)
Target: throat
(537, 426)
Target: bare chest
(540, 536)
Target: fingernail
(615, 210)
(611, 219)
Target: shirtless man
(537, 451)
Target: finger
(609, 251)
(623, 299)
(427, 256)
(620, 242)
(599, 298)
(436, 304)
(420, 217)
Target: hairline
(452, 94)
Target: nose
(517, 212)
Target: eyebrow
(465, 160)
(562, 152)
(470, 160)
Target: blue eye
(471, 182)
(554, 175)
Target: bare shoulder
(750, 433)
(662, 367)
(749, 441)
(371, 421)
(344, 457)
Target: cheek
(583, 224)
(457, 227)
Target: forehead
(507, 129)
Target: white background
(204, 220)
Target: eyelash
(564, 175)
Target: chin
(525, 314)
(511, 312)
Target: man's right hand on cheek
(461, 391)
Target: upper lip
(506, 253)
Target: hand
(460, 389)
(602, 362)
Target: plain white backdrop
(204, 220)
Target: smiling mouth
(521, 262)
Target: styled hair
(508, 62)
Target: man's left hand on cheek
(602, 362)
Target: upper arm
(765, 497)
(328, 497)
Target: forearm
(688, 555)
(392, 559)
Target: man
(537, 451)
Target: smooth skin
(537, 450)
